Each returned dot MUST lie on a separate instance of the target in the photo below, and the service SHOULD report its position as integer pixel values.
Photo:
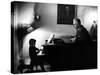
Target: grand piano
(70, 56)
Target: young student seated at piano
(33, 53)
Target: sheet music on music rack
(50, 39)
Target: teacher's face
(75, 24)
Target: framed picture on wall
(65, 14)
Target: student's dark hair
(32, 41)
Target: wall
(48, 14)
